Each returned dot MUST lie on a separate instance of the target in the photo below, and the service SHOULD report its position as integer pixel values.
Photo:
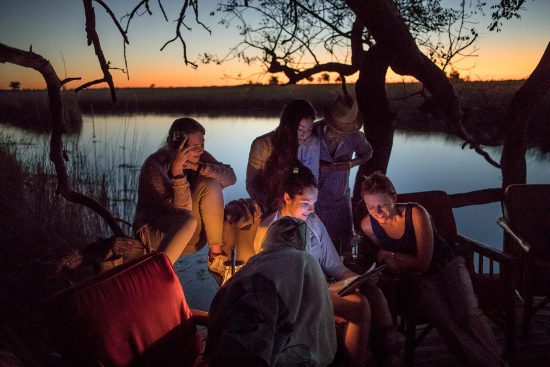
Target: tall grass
(38, 228)
(30, 110)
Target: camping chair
(497, 288)
(526, 224)
(134, 314)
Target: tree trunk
(372, 100)
(382, 19)
(519, 112)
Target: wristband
(175, 177)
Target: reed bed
(29, 109)
(38, 228)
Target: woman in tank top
(411, 247)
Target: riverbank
(484, 105)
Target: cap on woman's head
(342, 114)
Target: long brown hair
(285, 147)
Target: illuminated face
(333, 136)
(301, 206)
(195, 140)
(304, 129)
(380, 206)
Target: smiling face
(381, 206)
(300, 206)
(304, 129)
(195, 140)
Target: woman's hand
(388, 257)
(374, 278)
(336, 286)
(326, 167)
(382, 255)
(180, 158)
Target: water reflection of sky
(419, 162)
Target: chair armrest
(486, 251)
(506, 226)
(200, 317)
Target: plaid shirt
(334, 203)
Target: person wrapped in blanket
(276, 310)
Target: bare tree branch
(57, 153)
(89, 84)
(162, 10)
(114, 19)
(93, 38)
(179, 23)
(68, 80)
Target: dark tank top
(442, 252)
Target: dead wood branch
(57, 153)
(93, 39)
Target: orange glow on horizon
(492, 65)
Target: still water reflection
(419, 162)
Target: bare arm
(400, 262)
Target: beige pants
(207, 210)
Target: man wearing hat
(342, 147)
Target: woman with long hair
(273, 153)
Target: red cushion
(135, 314)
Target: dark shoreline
(484, 105)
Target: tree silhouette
(365, 36)
(15, 86)
(369, 36)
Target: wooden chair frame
(481, 261)
(528, 254)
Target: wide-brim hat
(342, 114)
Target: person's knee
(466, 317)
(359, 307)
(190, 224)
(208, 185)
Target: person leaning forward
(342, 147)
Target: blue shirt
(320, 245)
(334, 186)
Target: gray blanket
(276, 310)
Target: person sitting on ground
(437, 279)
(298, 200)
(180, 199)
(342, 147)
(263, 316)
(273, 153)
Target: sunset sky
(55, 29)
